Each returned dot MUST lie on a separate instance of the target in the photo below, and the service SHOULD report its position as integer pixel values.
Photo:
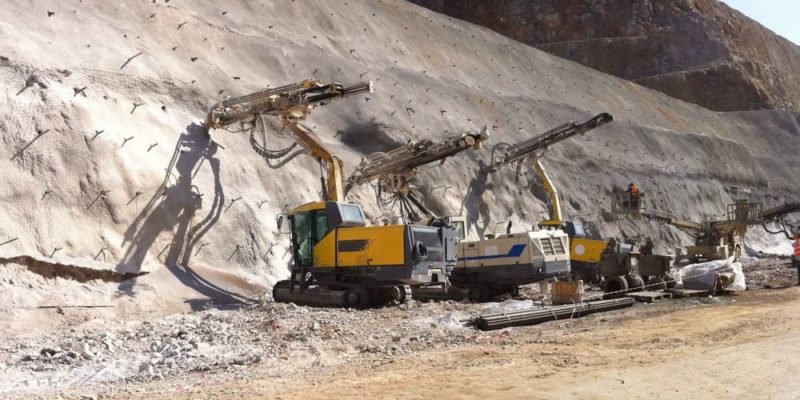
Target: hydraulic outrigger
(337, 259)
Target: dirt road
(746, 345)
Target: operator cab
(311, 222)
(460, 225)
(574, 229)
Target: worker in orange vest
(633, 195)
(796, 258)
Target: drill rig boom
(533, 149)
(690, 227)
(291, 104)
(781, 211)
(289, 101)
(394, 169)
(406, 159)
(527, 148)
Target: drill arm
(395, 169)
(291, 104)
(292, 101)
(405, 160)
(781, 211)
(776, 215)
(504, 153)
(693, 228)
(531, 151)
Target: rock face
(700, 51)
(105, 165)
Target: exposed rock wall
(700, 51)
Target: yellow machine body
(588, 251)
(330, 240)
(371, 246)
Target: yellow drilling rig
(584, 252)
(337, 259)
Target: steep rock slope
(701, 51)
(119, 176)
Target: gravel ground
(770, 273)
(221, 340)
(280, 339)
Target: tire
(401, 294)
(615, 286)
(635, 282)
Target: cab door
(308, 228)
(303, 239)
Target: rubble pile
(767, 273)
(220, 340)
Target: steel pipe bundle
(538, 315)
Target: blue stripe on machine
(515, 251)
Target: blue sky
(778, 15)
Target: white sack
(703, 275)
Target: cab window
(351, 215)
(574, 230)
(320, 225)
(461, 232)
(308, 229)
(303, 238)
